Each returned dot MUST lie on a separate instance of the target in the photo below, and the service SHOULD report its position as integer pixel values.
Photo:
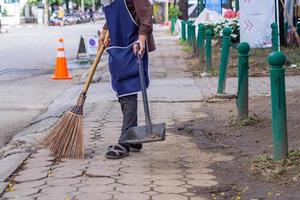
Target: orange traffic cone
(61, 69)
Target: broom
(66, 138)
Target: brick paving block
(201, 176)
(23, 198)
(170, 189)
(63, 182)
(40, 159)
(198, 198)
(30, 176)
(131, 196)
(66, 172)
(72, 163)
(79, 185)
(169, 197)
(59, 190)
(55, 197)
(41, 153)
(32, 184)
(133, 180)
(203, 183)
(113, 193)
(133, 189)
(136, 170)
(188, 194)
(94, 196)
(101, 172)
(30, 164)
(34, 170)
(19, 194)
(151, 193)
(44, 186)
(169, 182)
(167, 177)
(199, 170)
(96, 188)
(98, 181)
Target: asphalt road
(35, 46)
(27, 57)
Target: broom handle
(94, 66)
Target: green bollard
(275, 37)
(226, 41)
(279, 126)
(183, 30)
(243, 80)
(193, 37)
(173, 22)
(208, 38)
(200, 41)
(298, 28)
(189, 32)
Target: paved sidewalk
(172, 169)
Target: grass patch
(285, 171)
(239, 123)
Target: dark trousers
(129, 110)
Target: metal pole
(183, 30)
(275, 37)
(298, 28)
(167, 12)
(278, 98)
(237, 5)
(208, 38)
(189, 32)
(243, 80)
(200, 41)
(193, 32)
(46, 12)
(173, 20)
(226, 41)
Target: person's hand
(141, 48)
(101, 41)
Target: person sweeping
(129, 23)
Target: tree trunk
(183, 7)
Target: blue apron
(123, 66)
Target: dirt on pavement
(217, 131)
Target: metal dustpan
(150, 132)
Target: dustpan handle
(144, 94)
(94, 66)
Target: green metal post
(173, 21)
(189, 32)
(237, 5)
(200, 41)
(298, 28)
(275, 37)
(279, 126)
(226, 41)
(183, 30)
(208, 38)
(193, 37)
(243, 80)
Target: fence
(203, 45)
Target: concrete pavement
(172, 169)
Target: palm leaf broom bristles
(66, 138)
